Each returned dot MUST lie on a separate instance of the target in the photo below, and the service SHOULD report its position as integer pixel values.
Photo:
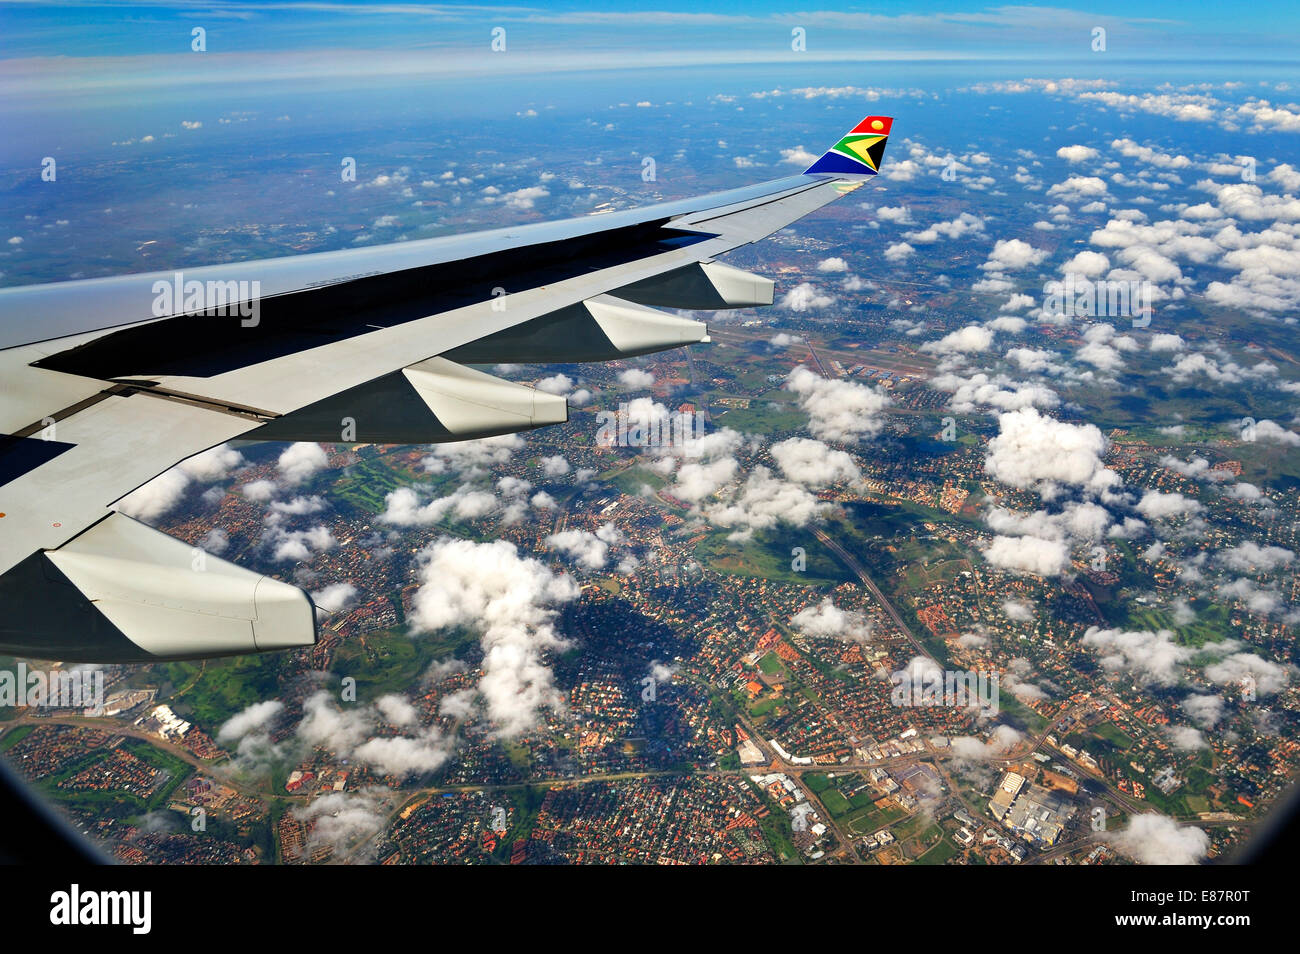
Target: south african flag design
(859, 152)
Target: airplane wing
(109, 382)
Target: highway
(856, 567)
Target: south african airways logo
(859, 152)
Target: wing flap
(603, 328)
(432, 402)
(472, 404)
(703, 286)
(150, 596)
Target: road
(821, 368)
(849, 561)
(118, 728)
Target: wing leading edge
(379, 335)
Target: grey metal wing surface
(107, 383)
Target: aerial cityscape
(977, 547)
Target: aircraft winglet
(859, 152)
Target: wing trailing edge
(436, 401)
(124, 592)
(603, 328)
(702, 286)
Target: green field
(1212, 623)
(526, 802)
(760, 418)
(368, 482)
(1115, 735)
(178, 770)
(939, 854)
(769, 555)
(835, 803)
(776, 829)
(14, 736)
(817, 781)
(912, 827)
(225, 687)
(867, 820)
(391, 661)
(631, 480)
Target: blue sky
(1165, 28)
(106, 56)
(80, 72)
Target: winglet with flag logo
(859, 151)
